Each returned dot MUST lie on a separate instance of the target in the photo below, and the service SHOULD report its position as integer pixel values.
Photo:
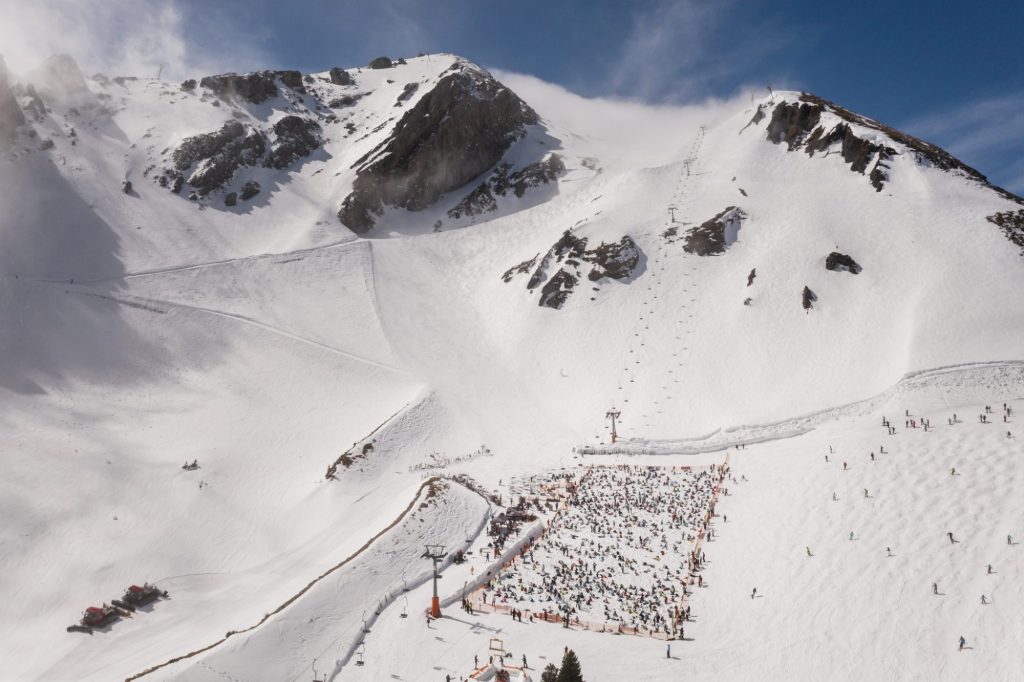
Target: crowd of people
(619, 553)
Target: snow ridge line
(141, 301)
(419, 492)
(793, 426)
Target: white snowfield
(142, 331)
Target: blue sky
(951, 72)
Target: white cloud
(117, 37)
(677, 49)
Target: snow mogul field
(619, 554)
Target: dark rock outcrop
(482, 199)
(714, 236)
(751, 276)
(296, 138)
(798, 122)
(341, 76)
(840, 262)
(250, 189)
(455, 132)
(189, 85)
(11, 116)
(231, 198)
(215, 157)
(408, 91)
(568, 257)
(256, 87)
(345, 101)
(1012, 225)
(809, 298)
(381, 63)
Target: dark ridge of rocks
(171, 179)
(482, 199)
(792, 122)
(617, 260)
(557, 290)
(840, 262)
(256, 87)
(218, 155)
(340, 76)
(455, 132)
(809, 298)
(710, 237)
(250, 189)
(296, 138)
(798, 126)
(231, 198)
(381, 63)
(751, 276)
(252, 87)
(189, 85)
(11, 116)
(671, 234)
(1012, 224)
(345, 101)
(408, 91)
(520, 269)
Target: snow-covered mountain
(364, 270)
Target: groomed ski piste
(270, 343)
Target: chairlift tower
(436, 554)
(613, 414)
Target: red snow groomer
(96, 617)
(136, 596)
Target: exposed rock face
(230, 199)
(296, 138)
(345, 101)
(797, 124)
(482, 199)
(568, 257)
(340, 76)
(250, 189)
(1012, 224)
(408, 91)
(11, 115)
(713, 236)
(189, 85)
(809, 298)
(381, 63)
(454, 133)
(840, 262)
(215, 157)
(254, 87)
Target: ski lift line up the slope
(635, 354)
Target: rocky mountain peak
(453, 134)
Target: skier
(834, 498)
(990, 569)
(844, 466)
(668, 651)
(1009, 539)
(872, 457)
(952, 472)
(851, 535)
(983, 600)
(935, 588)
(754, 593)
(809, 552)
(963, 643)
(888, 550)
(524, 662)
(866, 493)
(950, 534)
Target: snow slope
(140, 330)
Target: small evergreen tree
(550, 674)
(570, 670)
